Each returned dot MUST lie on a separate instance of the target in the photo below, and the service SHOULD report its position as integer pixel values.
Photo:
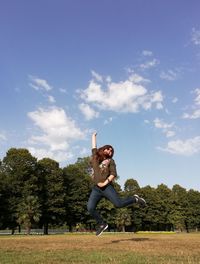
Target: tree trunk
(28, 230)
(46, 229)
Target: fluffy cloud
(55, 127)
(196, 112)
(149, 60)
(194, 115)
(165, 127)
(170, 75)
(147, 53)
(39, 84)
(51, 99)
(149, 64)
(2, 137)
(136, 78)
(124, 96)
(187, 148)
(195, 38)
(174, 100)
(59, 156)
(197, 99)
(109, 120)
(88, 112)
(97, 76)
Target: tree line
(40, 194)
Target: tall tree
(131, 187)
(77, 184)
(164, 194)
(150, 215)
(20, 171)
(193, 212)
(4, 194)
(179, 206)
(29, 212)
(123, 218)
(51, 193)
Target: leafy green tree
(150, 215)
(123, 218)
(193, 212)
(77, 184)
(179, 207)
(20, 170)
(4, 194)
(29, 212)
(51, 193)
(164, 194)
(131, 187)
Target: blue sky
(126, 69)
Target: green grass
(109, 248)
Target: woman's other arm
(106, 182)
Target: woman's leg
(113, 196)
(94, 198)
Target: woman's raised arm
(94, 140)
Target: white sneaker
(140, 200)
(101, 228)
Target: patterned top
(103, 170)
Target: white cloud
(39, 84)
(165, 127)
(195, 37)
(136, 78)
(170, 133)
(109, 120)
(187, 148)
(174, 100)
(51, 99)
(196, 112)
(161, 124)
(2, 136)
(146, 121)
(88, 112)
(59, 156)
(149, 64)
(108, 79)
(56, 128)
(124, 96)
(63, 90)
(197, 99)
(147, 53)
(169, 75)
(194, 115)
(97, 76)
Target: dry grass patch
(108, 248)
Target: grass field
(125, 248)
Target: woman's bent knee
(90, 208)
(118, 204)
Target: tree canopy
(41, 194)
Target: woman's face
(108, 152)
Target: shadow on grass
(130, 239)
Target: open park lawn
(112, 248)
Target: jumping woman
(104, 172)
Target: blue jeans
(108, 192)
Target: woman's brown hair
(100, 155)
